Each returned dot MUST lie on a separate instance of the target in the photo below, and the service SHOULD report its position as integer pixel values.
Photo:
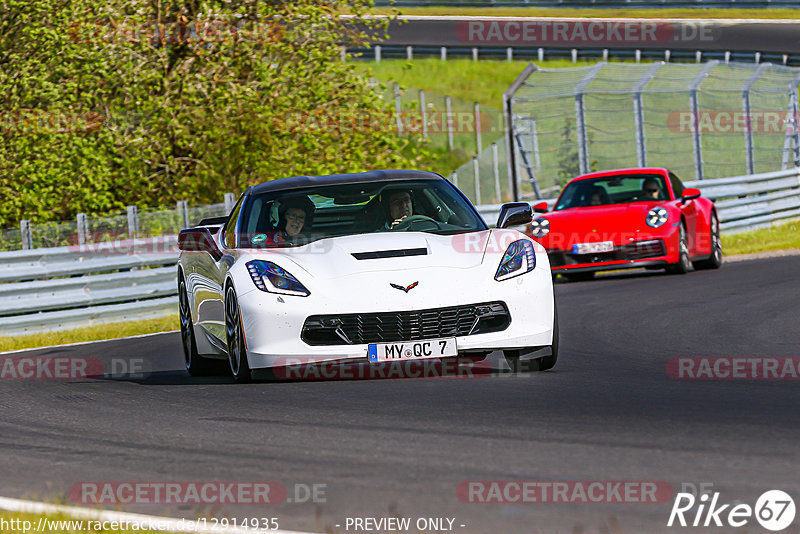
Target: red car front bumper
(636, 254)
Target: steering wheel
(416, 222)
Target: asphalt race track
(609, 411)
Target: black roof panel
(298, 182)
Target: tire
(237, 353)
(682, 267)
(196, 365)
(537, 364)
(580, 277)
(715, 260)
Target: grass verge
(473, 81)
(643, 13)
(90, 333)
(780, 237)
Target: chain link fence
(97, 230)
(708, 120)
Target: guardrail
(66, 287)
(51, 289)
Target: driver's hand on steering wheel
(396, 222)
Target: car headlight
(657, 217)
(271, 278)
(540, 227)
(518, 259)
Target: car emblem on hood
(406, 289)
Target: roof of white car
(298, 182)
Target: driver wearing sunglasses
(651, 189)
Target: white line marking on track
(88, 342)
(169, 524)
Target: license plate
(412, 350)
(593, 248)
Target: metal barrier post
(133, 222)
(27, 237)
(748, 125)
(580, 116)
(477, 113)
(697, 147)
(83, 229)
(398, 109)
(183, 213)
(230, 200)
(377, 53)
(508, 119)
(476, 172)
(795, 107)
(443, 53)
(496, 171)
(423, 115)
(638, 113)
(448, 122)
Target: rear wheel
(196, 365)
(237, 353)
(544, 363)
(715, 260)
(682, 267)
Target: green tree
(116, 102)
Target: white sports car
(368, 267)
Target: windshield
(299, 216)
(618, 189)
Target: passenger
(294, 214)
(599, 196)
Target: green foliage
(116, 102)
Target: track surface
(607, 412)
(673, 34)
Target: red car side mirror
(541, 207)
(690, 193)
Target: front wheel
(715, 260)
(237, 353)
(682, 267)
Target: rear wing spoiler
(213, 221)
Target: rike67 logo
(774, 510)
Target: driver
(400, 206)
(650, 189)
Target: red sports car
(628, 218)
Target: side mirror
(690, 193)
(514, 214)
(199, 240)
(541, 207)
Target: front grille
(637, 250)
(644, 249)
(387, 327)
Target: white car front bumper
(273, 323)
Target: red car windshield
(617, 189)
